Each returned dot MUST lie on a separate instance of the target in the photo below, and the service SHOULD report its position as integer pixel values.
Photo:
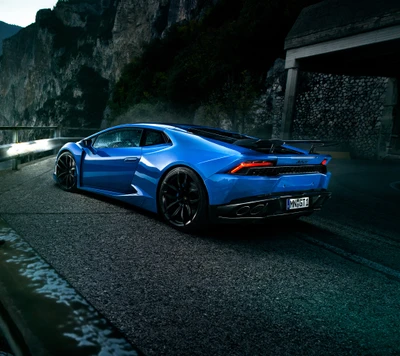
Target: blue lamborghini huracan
(192, 174)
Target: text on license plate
(297, 203)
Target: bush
(198, 57)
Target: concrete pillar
(290, 101)
(390, 101)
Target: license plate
(297, 203)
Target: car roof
(208, 131)
(175, 126)
(165, 125)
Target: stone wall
(342, 108)
(267, 110)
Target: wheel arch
(73, 149)
(66, 170)
(63, 150)
(169, 170)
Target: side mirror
(87, 143)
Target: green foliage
(94, 93)
(230, 105)
(149, 112)
(208, 57)
(7, 31)
(71, 41)
(81, 103)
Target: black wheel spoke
(189, 210)
(182, 213)
(61, 165)
(171, 186)
(176, 212)
(172, 204)
(193, 188)
(181, 198)
(169, 196)
(66, 171)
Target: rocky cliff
(62, 68)
(6, 31)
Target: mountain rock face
(6, 31)
(61, 69)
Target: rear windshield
(216, 134)
(253, 143)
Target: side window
(154, 138)
(105, 140)
(129, 138)
(119, 139)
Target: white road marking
(355, 258)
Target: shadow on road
(281, 229)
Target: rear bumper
(265, 207)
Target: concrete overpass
(360, 37)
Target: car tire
(182, 200)
(66, 172)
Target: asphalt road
(328, 284)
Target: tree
(238, 98)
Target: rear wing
(272, 144)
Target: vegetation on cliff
(83, 100)
(78, 40)
(219, 61)
(6, 31)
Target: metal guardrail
(16, 150)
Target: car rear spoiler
(271, 144)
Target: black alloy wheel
(66, 172)
(182, 199)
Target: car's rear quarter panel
(187, 150)
(212, 162)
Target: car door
(111, 160)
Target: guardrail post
(56, 134)
(15, 140)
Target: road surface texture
(328, 284)
(4, 347)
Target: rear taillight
(252, 164)
(324, 162)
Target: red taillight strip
(251, 164)
(324, 162)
